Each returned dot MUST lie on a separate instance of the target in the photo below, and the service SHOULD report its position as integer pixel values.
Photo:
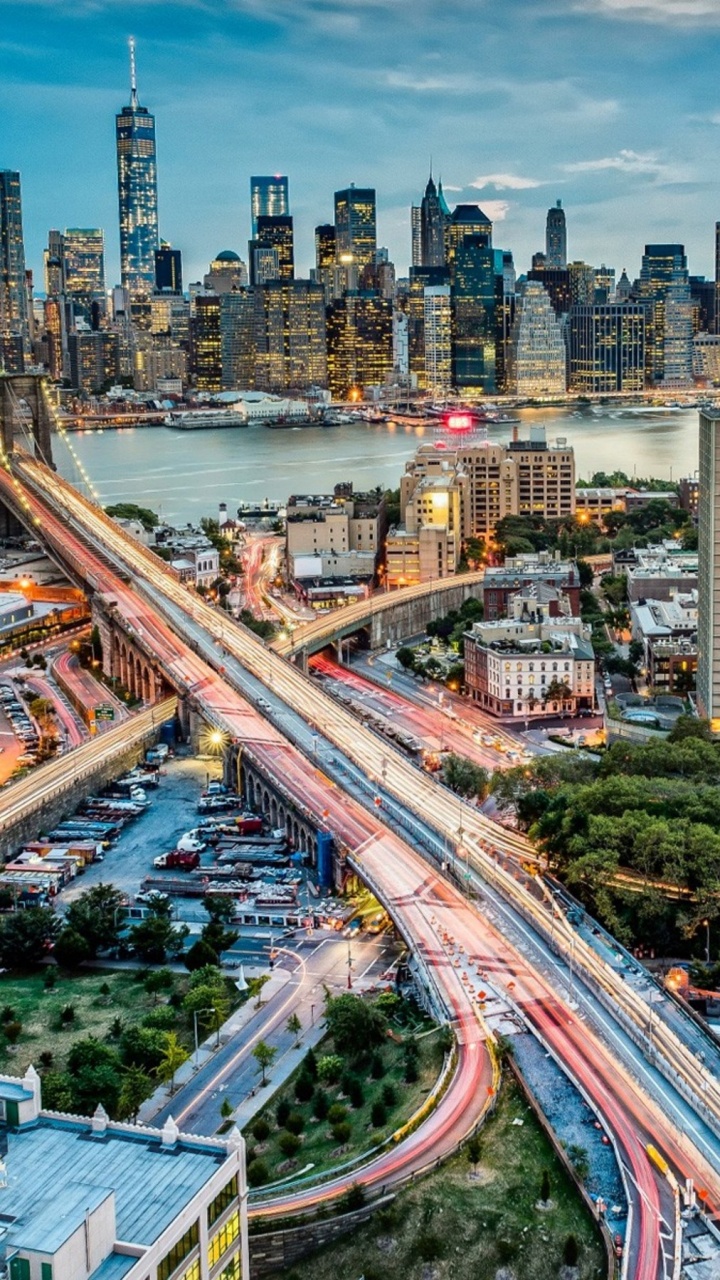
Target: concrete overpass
(385, 620)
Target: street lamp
(349, 964)
(196, 1012)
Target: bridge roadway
(606, 1080)
(310, 637)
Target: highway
(459, 824)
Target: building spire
(133, 76)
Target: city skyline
(343, 109)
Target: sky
(612, 106)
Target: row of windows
(180, 1250)
(226, 1236)
(222, 1201)
(531, 666)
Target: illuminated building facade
(356, 226)
(14, 313)
(465, 220)
(237, 340)
(94, 360)
(708, 632)
(536, 352)
(359, 343)
(290, 333)
(438, 339)
(433, 221)
(274, 233)
(325, 256)
(556, 238)
(607, 348)
(474, 289)
(207, 346)
(269, 198)
(227, 272)
(168, 269)
(137, 192)
(83, 261)
(664, 275)
(557, 284)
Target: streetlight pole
(349, 964)
(196, 1012)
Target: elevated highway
(402, 875)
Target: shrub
(377, 1066)
(341, 1133)
(12, 1031)
(67, 1015)
(50, 979)
(8, 1014)
(354, 1198)
(389, 1096)
(260, 1130)
(282, 1113)
(321, 1105)
(116, 1028)
(356, 1094)
(304, 1087)
(378, 1115)
(295, 1123)
(571, 1252)
(161, 1019)
(257, 1173)
(329, 1068)
(337, 1113)
(310, 1065)
(289, 1145)
(411, 1071)
(46, 1059)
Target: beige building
(531, 665)
(332, 525)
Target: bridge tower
(18, 390)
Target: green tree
(689, 727)
(130, 511)
(158, 980)
(211, 1005)
(406, 657)
(355, 1025)
(289, 1145)
(294, 1026)
(264, 1054)
(200, 955)
(464, 777)
(136, 1087)
(96, 915)
(155, 937)
(26, 937)
(71, 949)
(473, 1150)
(174, 1055)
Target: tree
(378, 1114)
(257, 1173)
(557, 691)
(329, 1068)
(156, 936)
(136, 1087)
(174, 1055)
(26, 937)
(295, 1123)
(95, 1086)
(545, 1187)
(96, 916)
(11, 1031)
(57, 1092)
(260, 1130)
(406, 657)
(473, 1151)
(289, 1145)
(130, 511)
(688, 727)
(217, 936)
(571, 1252)
(255, 988)
(158, 980)
(220, 907)
(142, 1047)
(199, 955)
(226, 1109)
(264, 1054)
(71, 949)
(294, 1026)
(464, 777)
(209, 1003)
(354, 1024)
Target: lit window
(226, 1236)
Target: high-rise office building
(168, 269)
(607, 348)
(207, 346)
(269, 198)
(433, 221)
(14, 313)
(678, 354)
(717, 277)
(359, 343)
(708, 668)
(556, 238)
(536, 353)
(356, 226)
(264, 264)
(582, 284)
(325, 258)
(702, 293)
(416, 235)
(94, 360)
(465, 220)
(421, 278)
(438, 339)
(237, 340)
(137, 191)
(274, 232)
(474, 300)
(83, 257)
(556, 281)
(227, 272)
(664, 268)
(290, 334)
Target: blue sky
(611, 105)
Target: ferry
(203, 419)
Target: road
(232, 1072)
(88, 691)
(457, 823)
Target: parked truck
(182, 859)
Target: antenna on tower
(133, 75)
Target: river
(183, 475)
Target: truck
(182, 859)
(187, 888)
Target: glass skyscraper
(556, 238)
(268, 199)
(355, 226)
(137, 192)
(14, 322)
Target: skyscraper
(356, 226)
(465, 220)
(207, 345)
(137, 191)
(14, 316)
(290, 331)
(274, 232)
(717, 277)
(438, 339)
(536, 355)
(268, 199)
(607, 348)
(83, 257)
(325, 258)
(664, 277)
(432, 228)
(708, 670)
(474, 315)
(359, 342)
(168, 269)
(556, 237)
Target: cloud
(670, 12)
(505, 182)
(496, 210)
(624, 162)
(416, 82)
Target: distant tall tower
(268, 199)
(137, 192)
(14, 314)
(556, 238)
(708, 670)
(355, 226)
(433, 222)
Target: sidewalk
(229, 1029)
(281, 1069)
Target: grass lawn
(39, 1012)
(318, 1146)
(463, 1225)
